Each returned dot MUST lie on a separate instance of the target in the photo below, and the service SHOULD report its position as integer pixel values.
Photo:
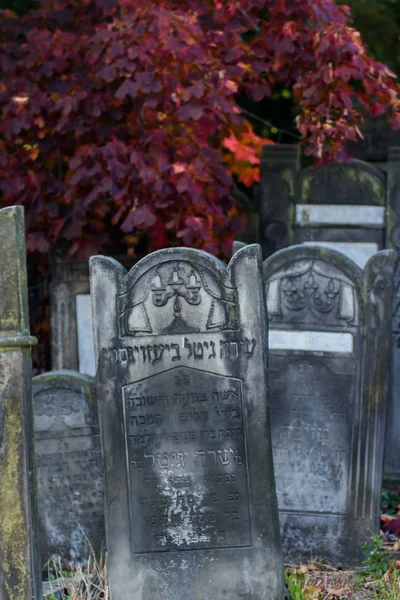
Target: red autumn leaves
(122, 114)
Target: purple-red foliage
(115, 112)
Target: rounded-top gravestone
(191, 507)
(69, 466)
(329, 342)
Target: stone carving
(328, 406)
(177, 288)
(181, 390)
(306, 294)
(69, 467)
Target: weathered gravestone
(19, 572)
(181, 380)
(338, 205)
(69, 466)
(71, 314)
(329, 340)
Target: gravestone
(71, 332)
(343, 206)
(71, 314)
(19, 565)
(69, 467)
(329, 351)
(339, 205)
(191, 508)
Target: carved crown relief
(312, 292)
(177, 297)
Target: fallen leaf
(392, 526)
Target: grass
(326, 584)
(67, 582)
(379, 579)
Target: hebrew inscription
(190, 502)
(70, 475)
(311, 437)
(186, 460)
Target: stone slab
(190, 501)
(328, 402)
(69, 467)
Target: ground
(378, 579)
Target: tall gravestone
(19, 573)
(329, 341)
(181, 353)
(69, 467)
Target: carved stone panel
(190, 435)
(69, 466)
(312, 431)
(328, 400)
(190, 498)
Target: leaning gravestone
(69, 466)
(329, 340)
(191, 508)
(19, 566)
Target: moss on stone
(13, 528)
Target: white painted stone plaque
(312, 341)
(315, 215)
(85, 334)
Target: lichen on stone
(13, 528)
